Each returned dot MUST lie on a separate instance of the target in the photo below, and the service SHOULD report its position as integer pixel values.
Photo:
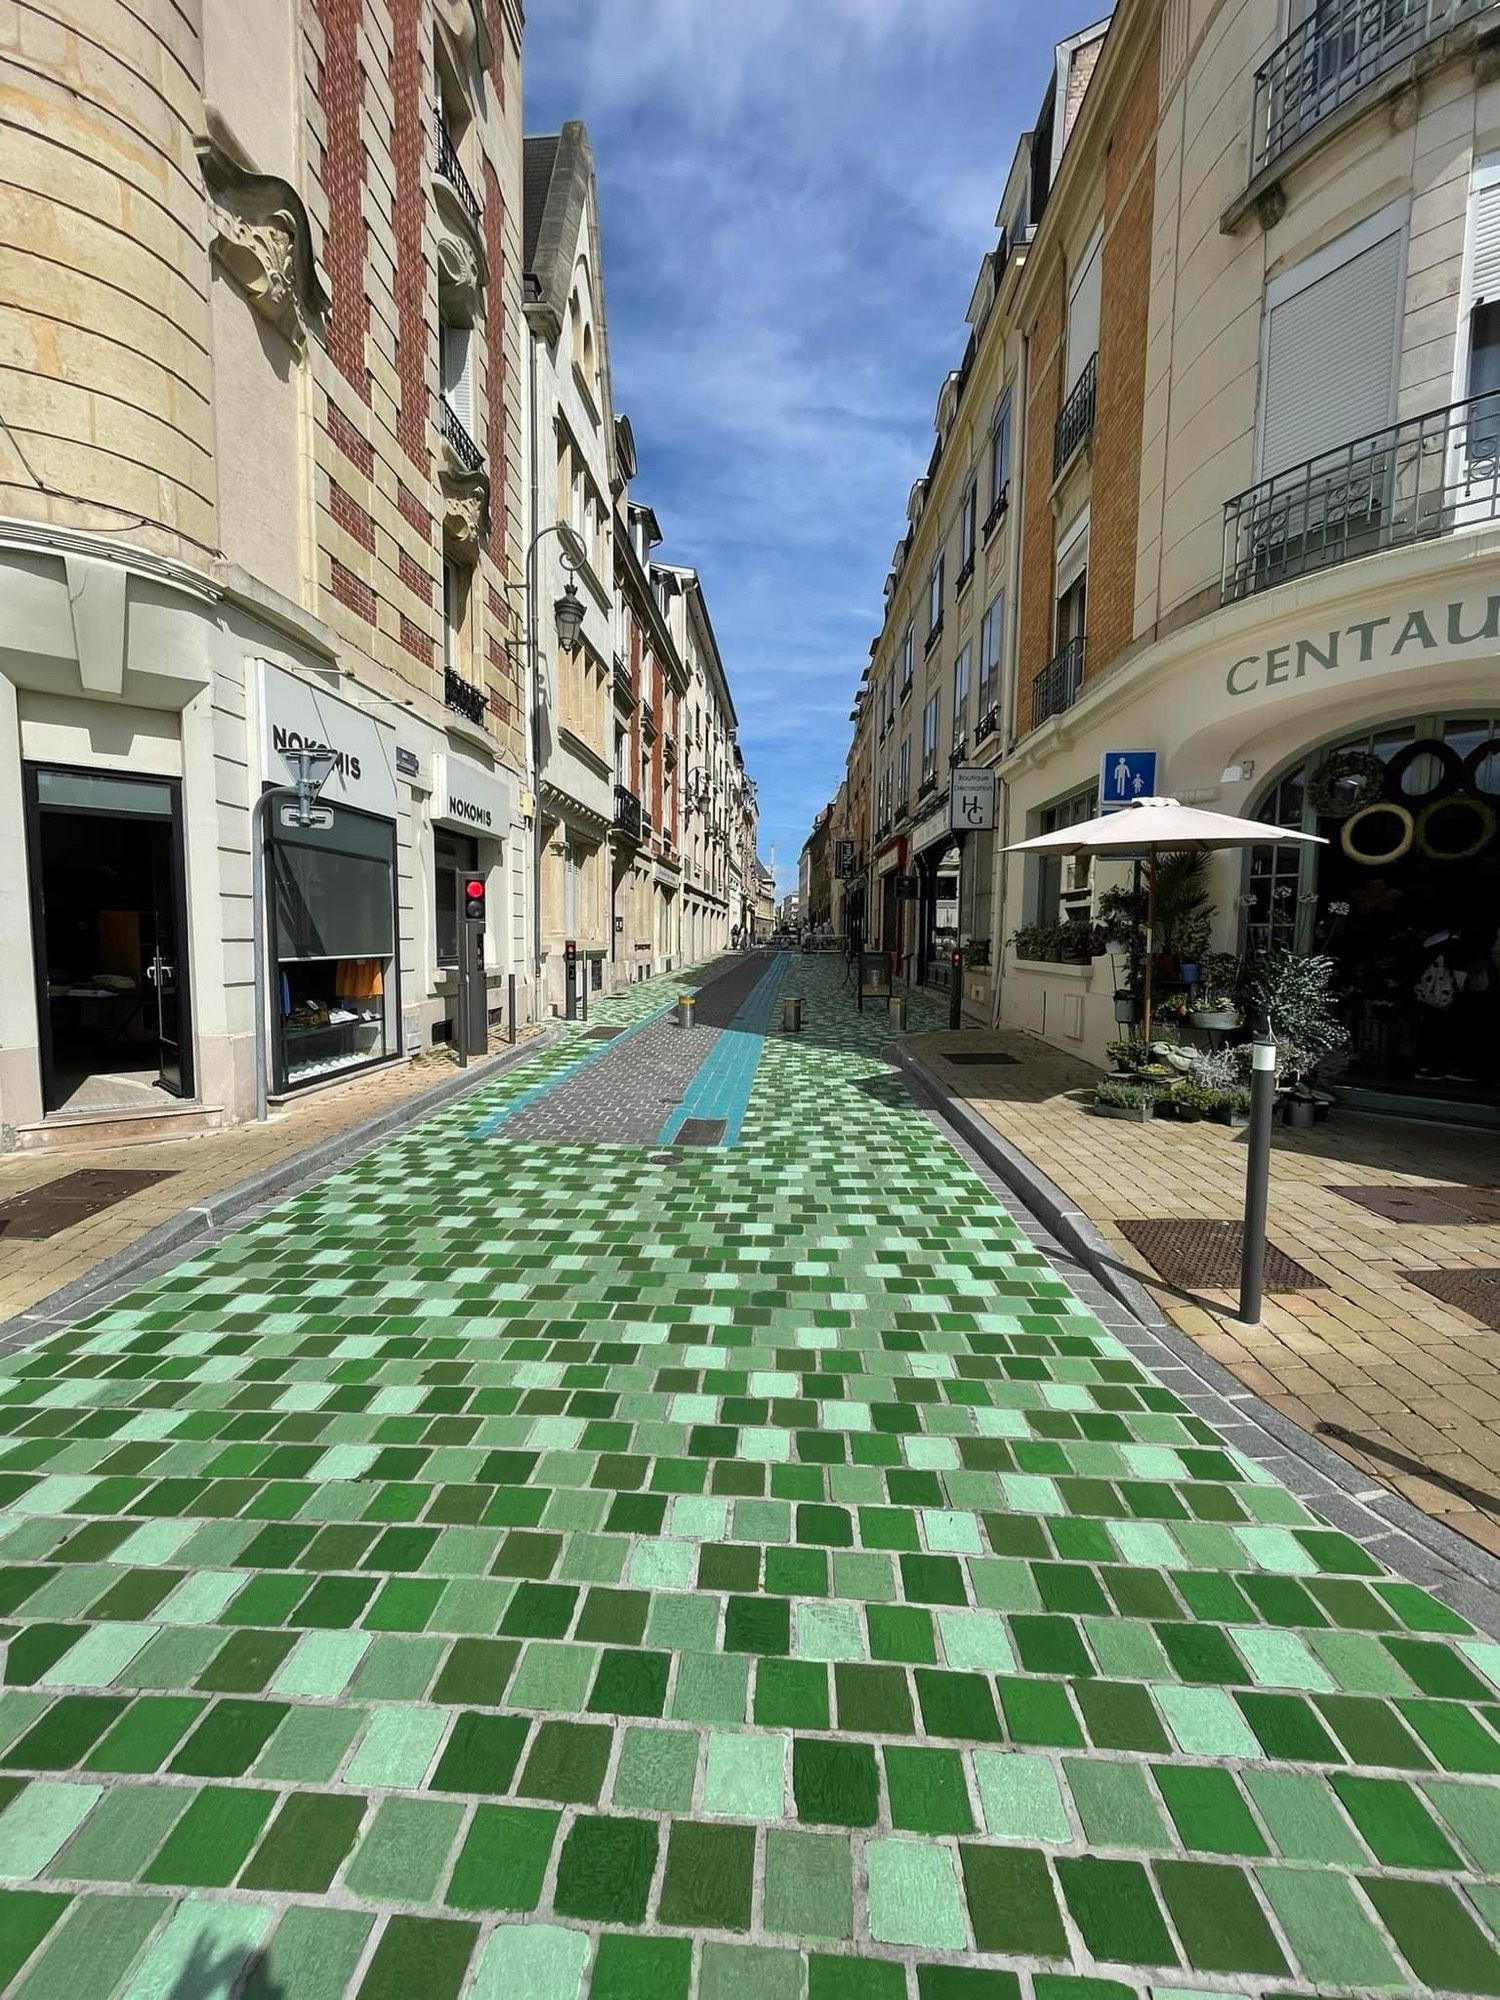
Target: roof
(558, 178)
(540, 157)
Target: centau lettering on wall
(466, 809)
(283, 739)
(1400, 636)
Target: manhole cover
(602, 1034)
(72, 1198)
(976, 1056)
(1442, 1207)
(700, 1132)
(1472, 1289)
(1205, 1256)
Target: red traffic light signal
(474, 899)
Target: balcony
(648, 716)
(1056, 687)
(1075, 420)
(467, 454)
(964, 578)
(906, 687)
(998, 512)
(448, 166)
(958, 752)
(935, 632)
(628, 816)
(1412, 482)
(624, 687)
(988, 723)
(464, 698)
(1331, 56)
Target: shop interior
(107, 939)
(334, 916)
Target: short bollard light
(687, 1009)
(899, 1004)
(791, 1014)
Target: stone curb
(1463, 1575)
(283, 1177)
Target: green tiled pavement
(550, 1572)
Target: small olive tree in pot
(1294, 995)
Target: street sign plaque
(971, 799)
(1125, 775)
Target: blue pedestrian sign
(1125, 775)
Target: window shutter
(1331, 359)
(1485, 223)
(1083, 312)
(457, 376)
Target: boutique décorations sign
(1401, 638)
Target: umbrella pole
(1150, 949)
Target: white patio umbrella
(1152, 827)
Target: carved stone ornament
(466, 514)
(467, 29)
(262, 237)
(460, 277)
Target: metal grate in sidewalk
(1199, 1255)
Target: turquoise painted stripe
(496, 1119)
(721, 1087)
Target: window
(455, 615)
(903, 776)
(935, 596)
(968, 507)
(907, 650)
(455, 357)
(456, 855)
(1049, 879)
(961, 699)
(1341, 306)
(1481, 362)
(991, 633)
(1000, 450)
(1071, 591)
(929, 739)
(1083, 311)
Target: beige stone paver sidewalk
(1372, 1356)
(200, 1168)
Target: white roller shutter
(1484, 226)
(1083, 310)
(458, 389)
(1330, 359)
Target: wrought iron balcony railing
(449, 166)
(993, 519)
(1056, 686)
(463, 447)
(1075, 420)
(988, 723)
(934, 633)
(628, 815)
(1412, 482)
(1329, 57)
(463, 697)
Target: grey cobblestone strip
(624, 1096)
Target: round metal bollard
(898, 1004)
(687, 1009)
(791, 1015)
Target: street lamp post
(313, 770)
(568, 613)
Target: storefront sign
(408, 763)
(971, 800)
(463, 795)
(934, 827)
(298, 715)
(1407, 637)
(1125, 775)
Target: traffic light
(474, 899)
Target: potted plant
(1029, 941)
(1230, 1107)
(1212, 1007)
(1118, 1099)
(1127, 1007)
(1124, 1052)
(1192, 1102)
(1294, 996)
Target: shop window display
(1404, 897)
(333, 914)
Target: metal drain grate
(58, 1205)
(977, 1056)
(602, 1034)
(1446, 1207)
(700, 1132)
(1205, 1256)
(1471, 1288)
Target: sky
(795, 196)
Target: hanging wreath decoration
(1346, 783)
(1392, 823)
(1474, 829)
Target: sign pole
(1257, 1174)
